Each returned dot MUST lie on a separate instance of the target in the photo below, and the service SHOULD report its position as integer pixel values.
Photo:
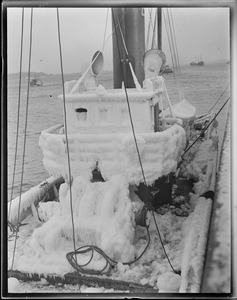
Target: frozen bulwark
(217, 271)
(113, 153)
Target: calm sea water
(202, 87)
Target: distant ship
(167, 69)
(197, 62)
(36, 81)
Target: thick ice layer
(29, 199)
(183, 110)
(114, 154)
(103, 215)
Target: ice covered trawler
(108, 161)
(114, 156)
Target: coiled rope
(83, 268)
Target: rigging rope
(82, 77)
(149, 26)
(129, 111)
(157, 229)
(106, 22)
(203, 130)
(153, 45)
(218, 98)
(25, 131)
(137, 149)
(174, 51)
(66, 133)
(18, 112)
(175, 42)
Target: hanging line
(171, 39)
(83, 76)
(18, 113)
(176, 58)
(171, 53)
(92, 248)
(66, 133)
(149, 26)
(175, 42)
(138, 153)
(153, 45)
(157, 228)
(129, 109)
(218, 98)
(169, 42)
(106, 22)
(173, 49)
(205, 128)
(24, 143)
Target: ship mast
(130, 22)
(159, 46)
(159, 28)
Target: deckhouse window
(81, 114)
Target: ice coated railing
(153, 84)
(113, 153)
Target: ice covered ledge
(217, 270)
(103, 216)
(113, 154)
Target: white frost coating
(27, 199)
(107, 110)
(219, 274)
(115, 154)
(13, 285)
(47, 209)
(151, 265)
(199, 164)
(103, 216)
(195, 230)
(183, 110)
(168, 282)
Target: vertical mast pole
(135, 42)
(159, 46)
(132, 25)
(118, 48)
(159, 28)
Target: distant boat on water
(167, 69)
(36, 82)
(197, 62)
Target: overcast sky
(199, 32)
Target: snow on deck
(217, 272)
